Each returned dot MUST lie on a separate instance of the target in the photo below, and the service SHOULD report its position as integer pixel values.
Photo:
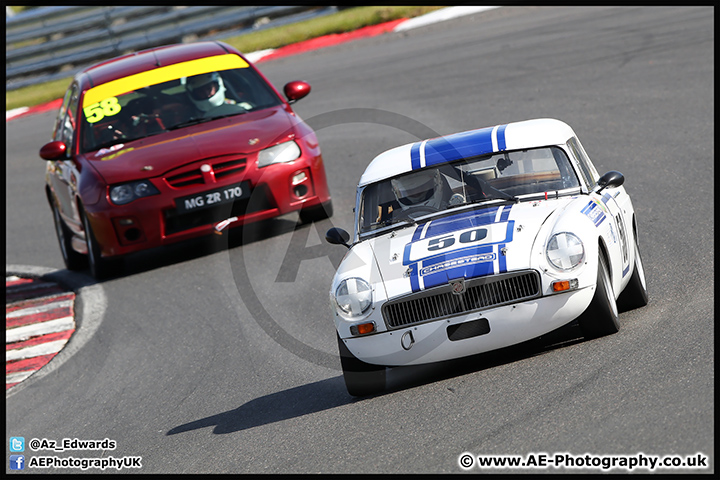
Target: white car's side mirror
(611, 179)
(337, 236)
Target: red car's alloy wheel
(100, 268)
(73, 260)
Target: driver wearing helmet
(426, 188)
(207, 91)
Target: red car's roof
(144, 60)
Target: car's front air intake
(480, 293)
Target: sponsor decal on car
(101, 101)
(594, 212)
(466, 245)
(162, 74)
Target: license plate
(213, 198)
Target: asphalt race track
(221, 357)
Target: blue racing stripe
(414, 277)
(457, 146)
(505, 213)
(417, 232)
(472, 218)
(415, 156)
(501, 138)
(469, 262)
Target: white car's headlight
(565, 251)
(283, 153)
(353, 296)
(127, 192)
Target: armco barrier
(47, 43)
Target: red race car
(173, 143)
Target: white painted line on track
(439, 16)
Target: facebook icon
(17, 462)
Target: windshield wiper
(488, 189)
(196, 121)
(397, 221)
(122, 141)
(503, 196)
(192, 121)
(110, 143)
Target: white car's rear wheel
(360, 378)
(601, 316)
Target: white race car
(480, 240)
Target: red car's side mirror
(296, 90)
(53, 151)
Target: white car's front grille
(480, 293)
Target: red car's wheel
(100, 268)
(73, 260)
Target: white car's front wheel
(360, 378)
(601, 316)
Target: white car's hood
(467, 244)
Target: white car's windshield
(175, 104)
(502, 175)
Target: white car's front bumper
(508, 325)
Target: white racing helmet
(206, 91)
(419, 189)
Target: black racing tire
(100, 267)
(601, 316)
(72, 259)
(361, 379)
(316, 213)
(635, 294)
